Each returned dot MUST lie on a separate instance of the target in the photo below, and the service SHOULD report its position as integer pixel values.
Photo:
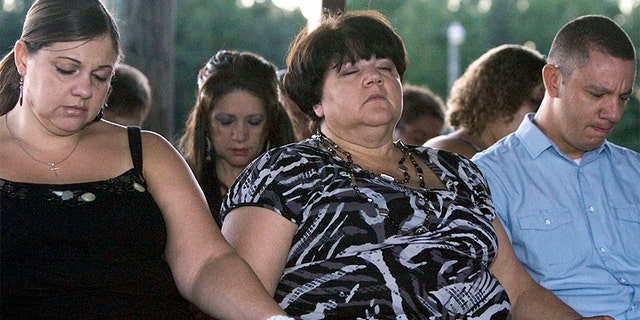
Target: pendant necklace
(333, 148)
(53, 166)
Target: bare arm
(529, 300)
(206, 269)
(263, 238)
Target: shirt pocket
(546, 240)
(628, 221)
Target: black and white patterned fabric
(348, 261)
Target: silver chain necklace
(53, 166)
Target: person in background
(130, 96)
(568, 198)
(349, 224)
(236, 117)
(87, 231)
(422, 115)
(490, 99)
(301, 123)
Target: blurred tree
(204, 27)
(147, 32)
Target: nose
(613, 110)
(239, 132)
(373, 77)
(82, 88)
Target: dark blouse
(348, 259)
(211, 186)
(86, 250)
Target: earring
(21, 87)
(100, 114)
(209, 153)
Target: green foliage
(205, 26)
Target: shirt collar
(536, 142)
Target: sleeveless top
(89, 250)
(348, 259)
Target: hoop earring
(100, 114)
(21, 88)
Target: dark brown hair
(495, 86)
(418, 101)
(130, 92)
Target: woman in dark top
(99, 222)
(349, 224)
(237, 116)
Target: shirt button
(547, 222)
(591, 209)
(602, 250)
(623, 280)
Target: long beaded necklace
(334, 149)
(53, 166)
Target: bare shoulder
(438, 141)
(161, 158)
(451, 143)
(157, 147)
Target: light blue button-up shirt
(575, 227)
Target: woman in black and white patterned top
(349, 224)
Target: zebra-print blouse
(348, 259)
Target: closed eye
(65, 72)
(101, 78)
(347, 72)
(225, 120)
(255, 120)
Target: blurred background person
(422, 115)
(130, 96)
(236, 117)
(491, 98)
(299, 120)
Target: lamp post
(455, 37)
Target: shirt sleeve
(281, 180)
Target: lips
(240, 152)
(604, 130)
(75, 110)
(376, 97)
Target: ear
(318, 110)
(20, 57)
(552, 79)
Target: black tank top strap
(135, 145)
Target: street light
(455, 37)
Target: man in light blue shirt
(568, 198)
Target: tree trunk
(147, 35)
